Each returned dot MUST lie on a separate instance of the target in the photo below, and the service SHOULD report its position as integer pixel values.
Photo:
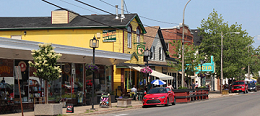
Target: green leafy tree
(45, 61)
(190, 57)
(235, 52)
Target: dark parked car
(252, 87)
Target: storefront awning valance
(155, 73)
(21, 49)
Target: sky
(167, 13)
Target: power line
(126, 7)
(140, 16)
(95, 20)
(77, 6)
(115, 15)
(93, 6)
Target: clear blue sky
(245, 12)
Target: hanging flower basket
(91, 67)
(146, 70)
(201, 75)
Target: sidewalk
(85, 110)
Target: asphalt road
(237, 105)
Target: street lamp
(221, 62)
(146, 56)
(201, 62)
(93, 43)
(182, 53)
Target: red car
(158, 96)
(239, 86)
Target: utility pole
(248, 76)
(221, 63)
(182, 53)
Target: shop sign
(23, 66)
(109, 35)
(140, 49)
(5, 69)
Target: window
(167, 46)
(152, 55)
(137, 35)
(160, 53)
(129, 37)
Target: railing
(188, 95)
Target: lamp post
(182, 53)
(146, 55)
(93, 43)
(201, 62)
(221, 59)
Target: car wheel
(167, 102)
(145, 106)
(174, 101)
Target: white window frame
(129, 36)
(137, 35)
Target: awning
(155, 73)
(21, 49)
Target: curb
(112, 110)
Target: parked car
(252, 87)
(239, 86)
(159, 95)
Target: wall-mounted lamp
(24, 32)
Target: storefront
(74, 85)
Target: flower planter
(47, 109)
(124, 102)
(182, 95)
(188, 95)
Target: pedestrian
(134, 91)
(193, 85)
(170, 86)
(3, 81)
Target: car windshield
(251, 84)
(157, 90)
(238, 83)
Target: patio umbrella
(158, 82)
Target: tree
(190, 57)
(45, 61)
(235, 52)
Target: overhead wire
(95, 20)
(139, 15)
(77, 6)
(133, 21)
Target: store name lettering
(5, 69)
(204, 68)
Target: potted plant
(45, 63)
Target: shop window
(6, 80)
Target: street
(238, 105)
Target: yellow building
(123, 35)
